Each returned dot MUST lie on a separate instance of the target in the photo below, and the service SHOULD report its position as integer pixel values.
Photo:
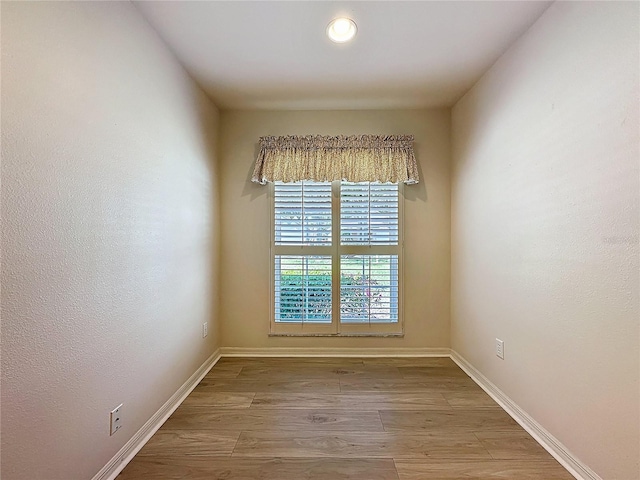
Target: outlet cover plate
(499, 348)
(115, 416)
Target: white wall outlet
(205, 329)
(116, 419)
(499, 348)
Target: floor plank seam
(235, 445)
(486, 449)
(384, 429)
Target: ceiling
(275, 55)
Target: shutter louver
(368, 288)
(369, 214)
(302, 213)
(303, 288)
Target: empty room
(320, 240)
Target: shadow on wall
(253, 190)
(413, 193)
(209, 135)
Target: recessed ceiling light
(341, 30)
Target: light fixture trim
(341, 29)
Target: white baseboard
(537, 431)
(120, 460)
(578, 469)
(332, 352)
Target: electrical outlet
(205, 329)
(499, 348)
(116, 419)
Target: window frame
(335, 250)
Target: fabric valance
(356, 158)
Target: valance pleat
(356, 158)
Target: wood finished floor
(335, 419)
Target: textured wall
(545, 229)
(244, 293)
(109, 214)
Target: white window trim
(336, 328)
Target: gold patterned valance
(356, 158)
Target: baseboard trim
(333, 352)
(120, 460)
(551, 444)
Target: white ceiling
(275, 55)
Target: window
(336, 258)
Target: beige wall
(109, 213)
(545, 229)
(244, 289)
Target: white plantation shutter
(368, 288)
(302, 213)
(336, 258)
(369, 214)
(303, 288)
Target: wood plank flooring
(339, 419)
